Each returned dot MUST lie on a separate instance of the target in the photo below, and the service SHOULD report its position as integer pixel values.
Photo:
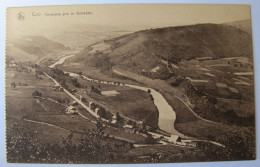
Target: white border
(255, 7)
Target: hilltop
(145, 49)
(244, 25)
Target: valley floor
(37, 112)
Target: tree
(152, 98)
(102, 112)
(130, 122)
(83, 99)
(95, 90)
(100, 127)
(36, 93)
(149, 91)
(119, 119)
(92, 148)
(149, 139)
(75, 83)
(58, 71)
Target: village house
(190, 143)
(96, 110)
(140, 124)
(129, 128)
(71, 110)
(174, 139)
(114, 120)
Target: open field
(220, 71)
(231, 91)
(132, 103)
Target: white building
(96, 110)
(74, 103)
(174, 139)
(71, 110)
(114, 120)
(128, 126)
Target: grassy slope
(244, 25)
(174, 43)
(21, 105)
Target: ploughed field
(229, 80)
(224, 78)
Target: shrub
(36, 93)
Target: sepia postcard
(129, 83)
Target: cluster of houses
(173, 139)
(99, 110)
(108, 82)
(103, 82)
(18, 67)
(129, 126)
(117, 120)
(135, 127)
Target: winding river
(167, 115)
(61, 61)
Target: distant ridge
(145, 49)
(244, 25)
(31, 48)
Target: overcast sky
(131, 17)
